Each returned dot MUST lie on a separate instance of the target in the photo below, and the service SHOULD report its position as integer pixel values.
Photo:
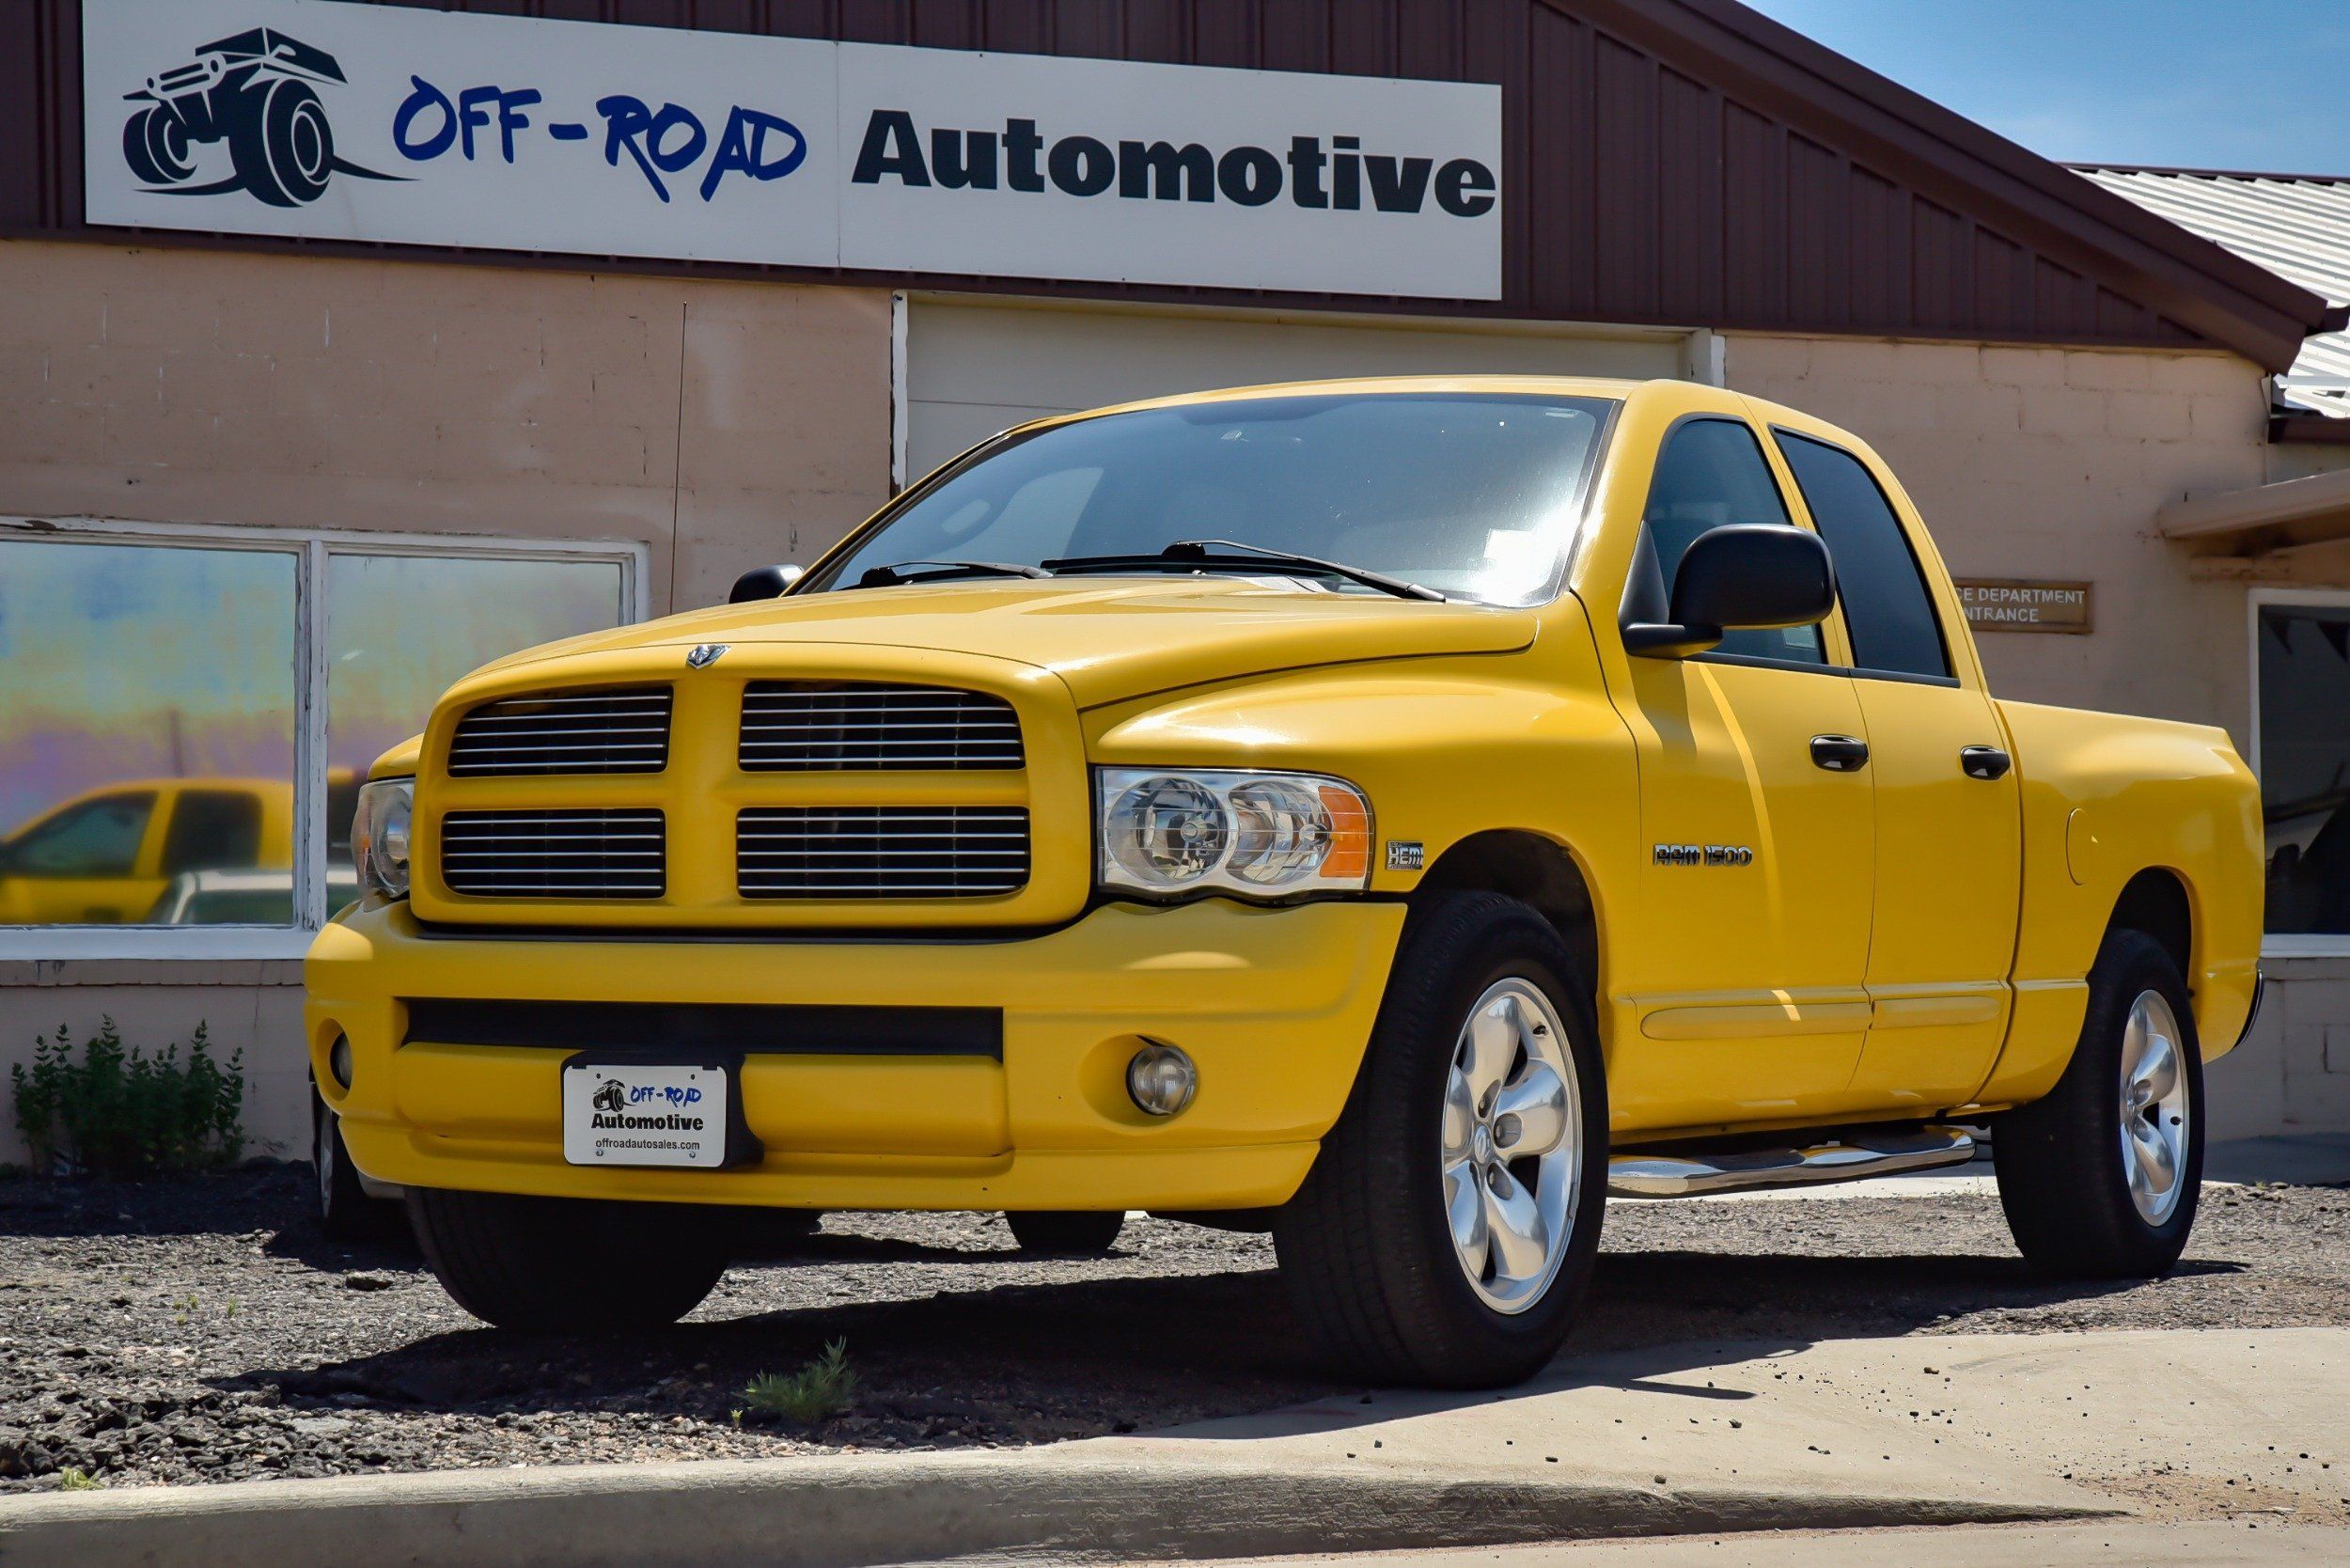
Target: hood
(1108, 638)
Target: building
(343, 347)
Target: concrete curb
(838, 1511)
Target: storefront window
(2305, 764)
(147, 731)
(382, 677)
(155, 767)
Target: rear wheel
(568, 1265)
(1073, 1232)
(1448, 1226)
(2100, 1178)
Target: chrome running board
(1747, 1171)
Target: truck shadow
(986, 1361)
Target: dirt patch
(200, 1330)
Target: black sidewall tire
(570, 1265)
(2059, 1161)
(1068, 1232)
(345, 1212)
(1374, 1203)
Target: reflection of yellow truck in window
(111, 855)
(1394, 814)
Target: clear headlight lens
(1167, 832)
(380, 833)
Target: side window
(214, 830)
(97, 839)
(1887, 607)
(1710, 473)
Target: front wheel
(1069, 1233)
(2100, 1178)
(155, 145)
(570, 1265)
(1448, 1226)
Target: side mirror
(764, 582)
(1744, 575)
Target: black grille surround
(881, 852)
(590, 854)
(618, 729)
(862, 726)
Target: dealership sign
(324, 120)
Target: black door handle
(1984, 761)
(1839, 753)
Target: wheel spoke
(1493, 1046)
(1530, 1118)
(1465, 1210)
(2156, 1169)
(2157, 1068)
(1521, 1241)
(1460, 1117)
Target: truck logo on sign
(258, 92)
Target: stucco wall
(721, 425)
(747, 423)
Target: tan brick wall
(179, 385)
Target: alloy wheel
(1512, 1145)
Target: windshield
(1475, 495)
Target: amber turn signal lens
(1349, 834)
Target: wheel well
(2155, 903)
(1533, 869)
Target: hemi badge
(1405, 855)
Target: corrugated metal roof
(2296, 225)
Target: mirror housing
(765, 582)
(1740, 576)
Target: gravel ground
(201, 1329)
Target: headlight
(1167, 832)
(379, 836)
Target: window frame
(312, 549)
(2294, 944)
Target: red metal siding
(1670, 162)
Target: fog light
(1161, 1079)
(339, 1061)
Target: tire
(568, 1265)
(2065, 1162)
(345, 1212)
(1367, 1247)
(155, 145)
(279, 140)
(1074, 1232)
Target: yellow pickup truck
(1396, 814)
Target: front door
(1751, 925)
(1948, 825)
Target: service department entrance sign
(324, 120)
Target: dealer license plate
(615, 1113)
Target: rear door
(1948, 831)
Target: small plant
(74, 1479)
(120, 1112)
(811, 1396)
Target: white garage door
(972, 370)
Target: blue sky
(2203, 84)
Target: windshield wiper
(925, 572)
(1231, 556)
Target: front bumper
(1275, 1005)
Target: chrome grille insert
(597, 853)
(832, 726)
(624, 730)
(881, 852)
